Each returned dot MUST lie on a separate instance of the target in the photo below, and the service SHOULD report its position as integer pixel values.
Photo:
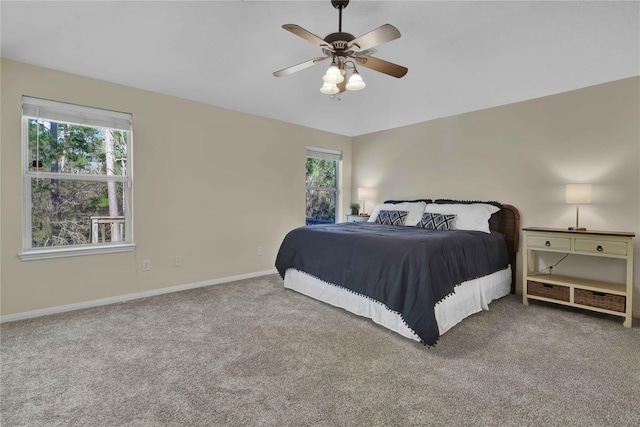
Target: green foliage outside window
(322, 185)
(62, 208)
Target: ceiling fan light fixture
(355, 81)
(329, 89)
(345, 50)
(333, 75)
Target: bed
(415, 279)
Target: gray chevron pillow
(435, 221)
(392, 217)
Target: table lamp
(364, 194)
(578, 194)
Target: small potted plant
(355, 208)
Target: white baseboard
(129, 297)
(145, 294)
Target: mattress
(470, 297)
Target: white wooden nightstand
(358, 218)
(596, 295)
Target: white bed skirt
(470, 297)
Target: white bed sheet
(470, 297)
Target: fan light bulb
(329, 89)
(355, 81)
(333, 75)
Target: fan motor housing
(339, 40)
(339, 4)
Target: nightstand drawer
(559, 243)
(357, 218)
(601, 247)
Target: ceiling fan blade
(385, 67)
(311, 38)
(301, 66)
(374, 38)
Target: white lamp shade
(578, 194)
(329, 89)
(355, 81)
(333, 75)
(364, 193)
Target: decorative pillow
(392, 217)
(470, 216)
(435, 221)
(414, 209)
(494, 221)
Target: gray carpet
(253, 353)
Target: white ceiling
(462, 56)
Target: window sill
(78, 250)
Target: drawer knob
(547, 243)
(599, 248)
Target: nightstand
(358, 218)
(596, 295)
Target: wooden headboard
(509, 226)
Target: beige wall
(523, 154)
(210, 185)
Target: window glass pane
(322, 189)
(69, 212)
(321, 206)
(68, 148)
(321, 173)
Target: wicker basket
(600, 299)
(557, 292)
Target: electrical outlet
(259, 250)
(178, 261)
(146, 265)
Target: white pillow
(415, 209)
(472, 216)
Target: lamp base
(577, 229)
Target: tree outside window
(322, 190)
(77, 178)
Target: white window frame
(327, 154)
(35, 108)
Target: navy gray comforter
(408, 269)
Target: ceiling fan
(345, 50)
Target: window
(322, 185)
(77, 180)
